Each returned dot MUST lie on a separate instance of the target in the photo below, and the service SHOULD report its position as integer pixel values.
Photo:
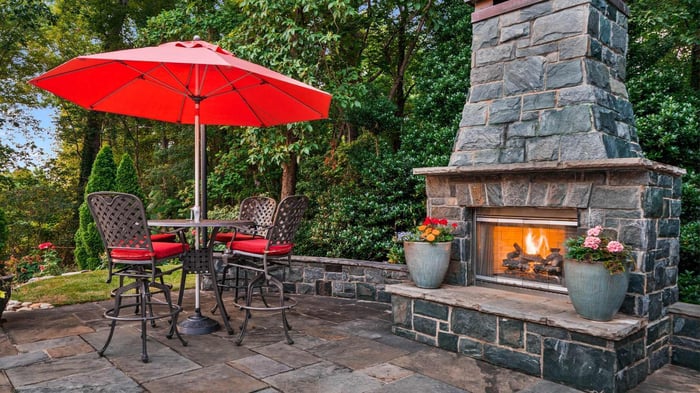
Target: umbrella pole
(198, 324)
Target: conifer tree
(127, 179)
(88, 244)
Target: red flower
(427, 221)
(443, 222)
(44, 246)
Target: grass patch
(81, 288)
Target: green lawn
(80, 288)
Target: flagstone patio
(341, 345)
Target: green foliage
(88, 243)
(672, 132)
(689, 287)
(369, 194)
(690, 246)
(127, 180)
(3, 235)
(37, 208)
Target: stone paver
(421, 383)
(340, 345)
(214, 379)
(464, 372)
(260, 366)
(323, 377)
(288, 354)
(387, 373)
(357, 353)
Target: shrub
(690, 247)
(689, 287)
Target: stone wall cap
(351, 262)
(686, 309)
(485, 9)
(548, 166)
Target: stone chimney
(547, 84)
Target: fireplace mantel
(613, 164)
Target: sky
(44, 140)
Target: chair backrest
(260, 210)
(288, 216)
(121, 220)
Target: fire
(536, 245)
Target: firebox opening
(523, 247)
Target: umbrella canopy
(191, 82)
(167, 81)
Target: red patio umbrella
(191, 82)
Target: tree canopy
(399, 74)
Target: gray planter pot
(595, 293)
(427, 262)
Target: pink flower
(592, 242)
(595, 231)
(615, 246)
(44, 246)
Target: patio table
(199, 261)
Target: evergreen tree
(88, 245)
(127, 179)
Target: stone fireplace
(546, 149)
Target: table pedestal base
(198, 324)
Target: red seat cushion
(161, 250)
(257, 246)
(225, 237)
(163, 237)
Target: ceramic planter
(595, 293)
(427, 262)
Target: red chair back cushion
(225, 237)
(163, 237)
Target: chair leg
(145, 300)
(285, 323)
(173, 319)
(115, 314)
(248, 302)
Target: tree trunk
(289, 177)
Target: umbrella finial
(196, 38)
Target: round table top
(186, 223)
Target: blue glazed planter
(595, 293)
(427, 262)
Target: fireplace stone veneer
(548, 125)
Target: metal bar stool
(121, 222)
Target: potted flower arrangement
(427, 251)
(597, 274)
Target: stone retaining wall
(346, 278)
(685, 337)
